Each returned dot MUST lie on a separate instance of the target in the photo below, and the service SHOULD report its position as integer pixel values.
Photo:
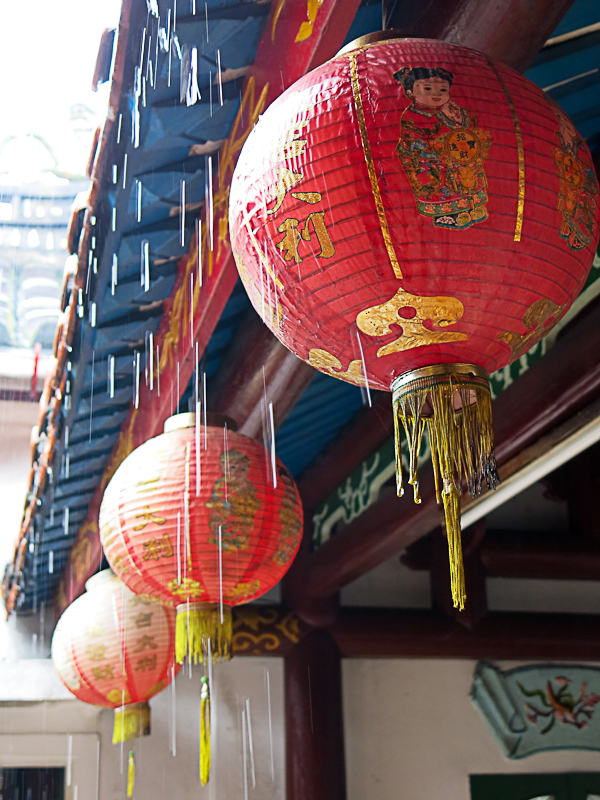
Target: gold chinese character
(143, 620)
(287, 180)
(293, 235)
(120, 696)
(103, 673)
(145, 641)
(148, 516)
(154, 548)
(187, 588)
(148, 662)
(96, 651)
(290, 145)
(118, 565)
(95, 629)
(147, 486)
(289, 244)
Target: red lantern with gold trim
(114, 649)
(196, 519)
(414, 215)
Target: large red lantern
(414, 215)
(114, 649)
(196, 519)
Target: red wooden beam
(296, 39)
(513, 554)
(513, 31)
(524, 554)
(551, 391)
(396, 633)
(404, 633)
(258, 369)
(371, 427)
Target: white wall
(160, 776)
(38, 734)
(412, 733)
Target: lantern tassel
(196, 624)
(453, 403)
(131, 721)
(205, 752)
(130, 774)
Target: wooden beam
(369, 429)
(550, 392)
(258, 370)
(524, 554)
(404, 633)
(313, 718)
(513, 31)
(582, 483)
(264, 630)
(514, 554)
(476, 603)
(279, 62)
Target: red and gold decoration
(413, 216)
(196, 519)
(114, 649)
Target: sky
(48, 52)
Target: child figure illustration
(578, 186)
(442, 150)
(233, 503)
(289, 517)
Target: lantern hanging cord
(453, 404)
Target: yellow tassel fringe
(131, 721)
(205, 751)
(196, 624)
(130, 774)
(453, 403)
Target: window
(32, 783)
(571, 786)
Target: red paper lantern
(417, 215)
(116, 650)
(200, 529)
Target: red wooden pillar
(314, 720)
(513, 31)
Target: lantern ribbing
(116, 650)
(201, 530)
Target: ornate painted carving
(540, 707)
